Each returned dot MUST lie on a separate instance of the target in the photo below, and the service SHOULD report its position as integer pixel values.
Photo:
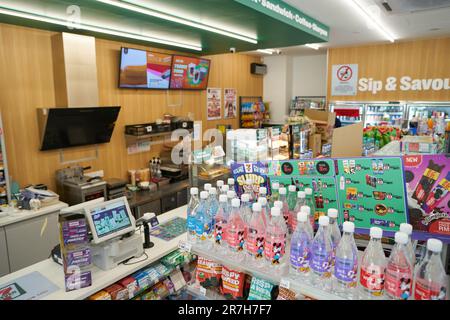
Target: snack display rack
(253, 112)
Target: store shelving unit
(391, 114)
(203, 294)
(252, 119)
(300, 103)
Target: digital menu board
(144, 70)
(189, 73)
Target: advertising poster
(143, 69)
(428, 189)
(32, 286)
(214, 103)
(230, 106)
(189, 73)
(315, 174)
(255, 172)
(371, 193)
(344, 80)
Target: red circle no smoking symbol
(345, 73)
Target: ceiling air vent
(409, 6)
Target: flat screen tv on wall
(141, 69)
(189, 73)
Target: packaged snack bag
(232, 284)
(260, 290)
(286, 294)
(429, 178)
(208, 273)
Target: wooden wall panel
(28, 83)
(420, 59)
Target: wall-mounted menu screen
(141, 69)
(189, 73)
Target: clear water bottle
(207, 186)
(224, 189)
(335, 233)
(346, 265)
(213, 203)
(262, 192)
(285, 207)
(221, 223)
(230, 195)
(301, 195)
(431, 282)
(249, 183)
(246, 210)
(265, 210)
(274, 250)
(219, 185)
(321, 251)
(308, 211)
(408, 229)
(256, 236)
(204, 229)
(301, 242)
(191, 215)
(292, 202)
(281, 205)
(399, 271)
(275, 194)
(373, 266)
(231, 183)
(309, 201)
(236, 231)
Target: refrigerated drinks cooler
(348, 112)
(427, 109)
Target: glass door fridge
(428, 109)
(385, 113)
(348, 112)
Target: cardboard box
(315, 144)
(347, 141)
(323, 121)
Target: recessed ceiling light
(312, 46)
(266, 51)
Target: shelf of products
(299, 104)
(253, 112)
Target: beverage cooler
(385, 113)
(428, 109)
(348, 112)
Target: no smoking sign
(345, 73)
(344, 80)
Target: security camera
(233, 50)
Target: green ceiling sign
(284, 12)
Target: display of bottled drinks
(278, 233)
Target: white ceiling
(348, 27)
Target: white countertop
(101, 279)
(14, 217)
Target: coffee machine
(74, 187)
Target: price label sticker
(285, 284)
(185, 246)
(203, 291)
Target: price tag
(203, 291)
(285, 283)
(185, 246)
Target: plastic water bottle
(300, 254)
(299, 204)
(308, 211)
(399, 278)
(281, 205)
(236, 231)
(373, 265)
(262, 192)
(224, 190)
(213, 203)
(408, 229)
(346, 265)
(191, 215)
(221, 222)
(321, 250)
(335, 233)
(285, 207)
(292, 202)
(431, 280)
(231, 183)
(230, 195)
(246, 210)
(275, 247)
(220, 184)
(310, 203)
(256, 237)
(265, 210)
(275, 195)
(249, 189)
(207, 187)
(204, 227)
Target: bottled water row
(272, 234)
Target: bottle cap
(275, 212)
(275, 185)
(376, 232)
(204, 195)
(302, 216)
(434, 245)
(333, 213)
(262, 190)
(231, 181)
(194, 191)
(308, 191)
(213, 190)
(235, 203)
(223, 198)
(301, 194)
(207, 186)
(278, 204)
(305, 209)
(349, 227)
(245, 197)
(292, 188)
(220, 183)
(225, 188)
(406, 228)
(401, 237)
(257, 207)
(324, 221)
(231, 194)
(263, 201)
(283, 191)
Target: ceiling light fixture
(362, 11)
(266, 51)
(312, 46)
(164, 16)
(99, 29)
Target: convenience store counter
(100, 278)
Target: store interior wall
(309, 75)
(28, 83)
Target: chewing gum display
(132, 286)
(232, 284)
(101, 295)
(260, 289)
(208, 273)
(117, 292)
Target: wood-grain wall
(419, 59)
(27, 83)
